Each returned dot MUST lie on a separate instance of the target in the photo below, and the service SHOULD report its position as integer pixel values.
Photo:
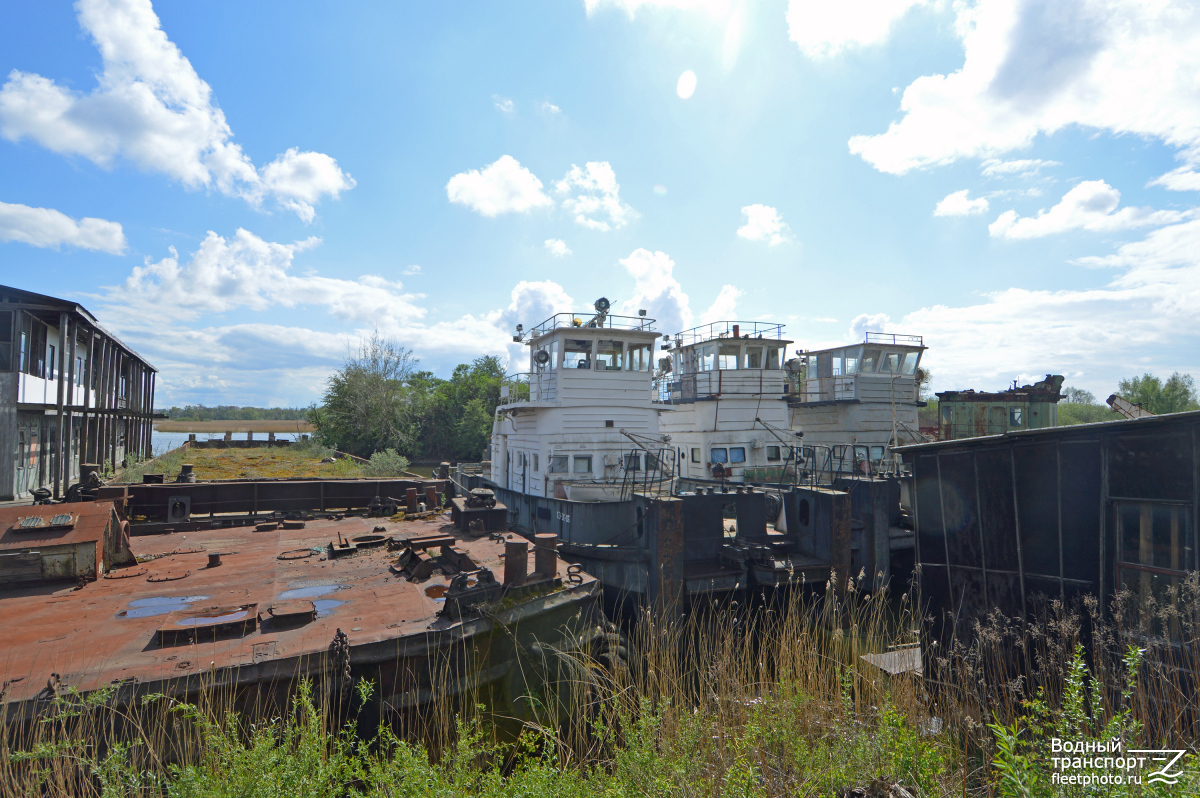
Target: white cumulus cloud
(864, 323)
(557, 247)
(501, 187)
(724, 307)
(1030, 68)
(657, 291)
(763, 223)
(503, 104)
(48, 228)
(824, 29)
(593, 196)
(1091, 205)
(958, 204)
(152, 109)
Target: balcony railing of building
(895, 339)
(725, 329)
(592, 320)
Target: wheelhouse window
(708, 358)
(772, 357)
(773, 453)
(718, 455)
(609, 355)
(754, 357)
(638, 357)
(727, 356)
(577, 353)
(853, 356)
(870, 361)
(1016, 416)
(696, 455)
(836, 364)
(890, 363)
(876, 453)
(549, 360)
(557, 464)
(910, 363)
(737, 454)
(582, 464)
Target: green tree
(1080, 407)
(368, 404)
(1175, 395)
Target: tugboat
(725, 382)
(580, 449)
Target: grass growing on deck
(300, 460)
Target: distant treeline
(234, 413)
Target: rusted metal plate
(109, 629)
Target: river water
(165, 441)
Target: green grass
(726, 701)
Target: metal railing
(822, 389)
(591, 320)
(894, 338)
(721, 330)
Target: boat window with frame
(582, 464)
(535, 461)
(695, 454)
(870, 361)
(1016, 416)
(754, 357)
(728, 356)
(577, 353)
(652, 462)
(910, 363)
(633, 462)
(550, 361)
(708, 357)
(853, 356)
(557, 464)
(890, 363)
(609, 355)
(773, 453)
(737, 454)
(772, 357)
(836, 366)
(877, 453)
(52, 359)
(718, 455)
(638, 358)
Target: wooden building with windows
(70, 393)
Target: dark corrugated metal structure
(1058, 512)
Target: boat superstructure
(856, 403)
(581, 424)
(725, 384)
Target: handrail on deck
(588, 320)
(721, 330)
(894, 338)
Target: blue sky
(244, 190)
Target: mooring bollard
(431, 496)
(411, 499)
(516, 561)
(545, 554)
